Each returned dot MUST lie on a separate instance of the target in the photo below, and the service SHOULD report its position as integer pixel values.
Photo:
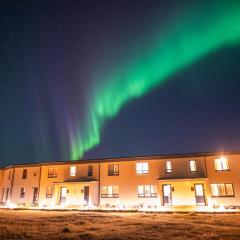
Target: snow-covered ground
(35, 224)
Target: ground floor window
(222, 190)
(147, 191)
(109, 192)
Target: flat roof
(124, 159)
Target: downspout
(99, 185)
(12, 182)
(40, 174)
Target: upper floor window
(147, 191)
(22, 192)
(52, 172)
(142, 168)
(9, 175)
(73, 171)
(193, 166)
(90, 170)
(221, 164)
(24, 174)
(109, 192)
(113, 169)
(49, 192)
(168, 167)
(222, 190)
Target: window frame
(110, 195)
(195, 165)
(54, 173)
(112, 172)
(225, 189)
(49, 195)
(168, 170)
(90, 171)
(24, 173)
(74, 172)
(142, 171)
(221, 163)
(153, 194)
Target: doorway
(199, 194)
(86, 194)
(167, 194)
(35, 195)
(63, 194)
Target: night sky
(113, 78)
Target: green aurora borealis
(199, 31)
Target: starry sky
(94, 79)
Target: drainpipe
(40, 174)
(99, 185)
(12, 182)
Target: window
(193, 167)
(52, 172)
(147, 191)
(73, 171)
(9, 175)
(49, 192)
(142, 168)
(3, 194)
(90, 170)
(24, 174)
(168, 167)
(22, 193)
(109, 192)
(222, 190)
(113, 169)
(221, 164)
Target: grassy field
(29, 224)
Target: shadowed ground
(28, 224)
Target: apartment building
(202, 180)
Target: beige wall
(32, 180)
(6, 182)
(63, 175)
(231, 176)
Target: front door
(199, 193)
(35, 195)
(167, 194)
(63, 194)
(86, 194)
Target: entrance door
(86, 194)
(63, 194)
(199, 193)
(167, 194)
(35, 195)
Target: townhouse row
(202, 180)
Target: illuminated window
(222, 190)
(73, 171)
(142, 168)
(109, 192)
(52, 172)
(90, 170)
(221, 164)
(193, 167)
(113, 169)
(168, 167)
(22, 192)
(24, 174)
(147, 191)
(49, 192)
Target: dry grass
(27, 224)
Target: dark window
(90, 170)
(113, 169)
(52, 172)
(22, 193)
(24, 175)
